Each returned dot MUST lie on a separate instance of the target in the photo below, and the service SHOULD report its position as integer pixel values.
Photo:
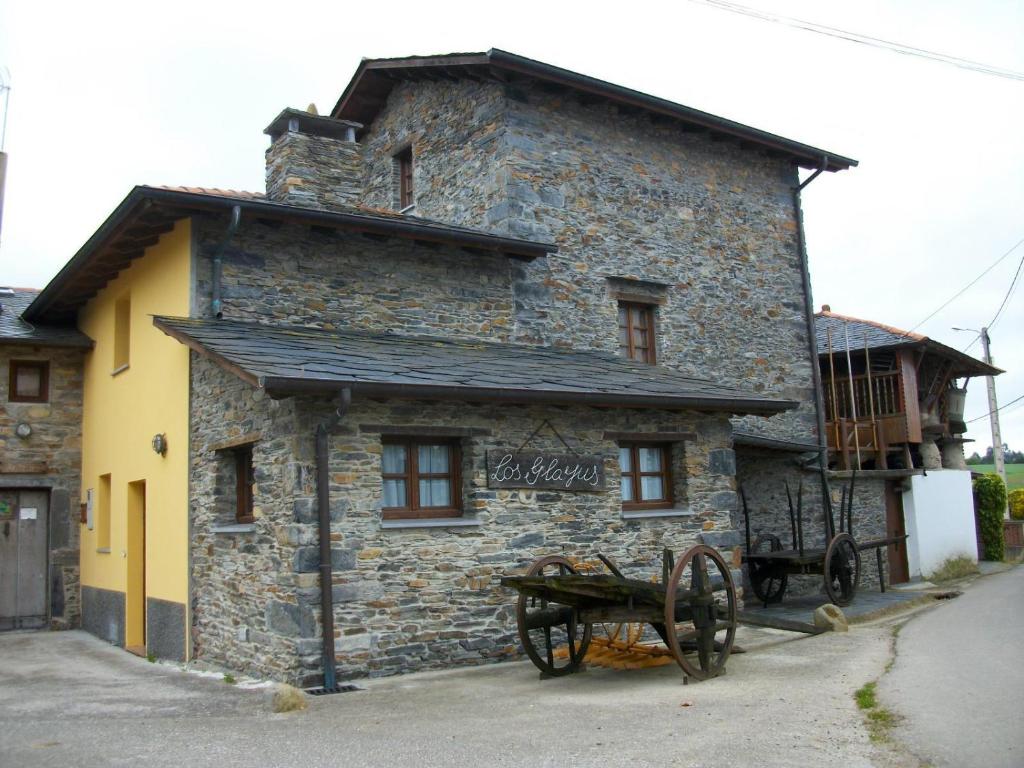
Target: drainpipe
(218, 263)
(323, 494)
(812, 343)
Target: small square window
(403, 168)
(420, 478)
(646, 479)
(29, 381)
(636, 332)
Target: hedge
(990, 503)
(1017, 504)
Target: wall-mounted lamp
(160, 443)
(23, 430)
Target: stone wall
(457, 133)
(314, 171)
(413, 598)
(626, 198)
(297, 275)
(49, 458)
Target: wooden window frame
(629, 350)
(43, 367)
(241, 455)
(635, 477)
(406, 188)
(412, 510)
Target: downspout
(323, 493)
(218, 261)
(812, 336)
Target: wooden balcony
(871, 423)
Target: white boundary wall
(939, 514)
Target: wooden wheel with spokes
(767, 579)
(545, 626)
(702, 619)
(842, 569)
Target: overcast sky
(109, 95)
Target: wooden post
(835, 398)
(853, 398)
(879, 449)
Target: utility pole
(993, 410)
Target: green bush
(990, 503)
(1016, 499)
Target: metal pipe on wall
(323, 496)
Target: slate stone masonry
(413, 598)
(49, 459)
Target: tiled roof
(289, 359)
(15, 330)
(880, 336)
(214, 191)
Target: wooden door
(24, 530)
(135, 602)
(899, 571)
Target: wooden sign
(550, 471)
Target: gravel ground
(69, 699)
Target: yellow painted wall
(124, 410)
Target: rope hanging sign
(546, 470)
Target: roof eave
(84, 344)
(286, 386)
(806, 155)
(142, 197)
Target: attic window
(403, 169)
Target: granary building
(487, 309)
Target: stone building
(473, 256)
(40, 459)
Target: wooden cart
(769, 565)
(693, 610)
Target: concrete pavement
(69, 699)
(958, 678)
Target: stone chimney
(313, 161)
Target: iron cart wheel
(842, 569)
(545, 626)
(768, 580)
(703, 617)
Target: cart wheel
(545, 626)
(701, 619)
(842, 569)
(766, 579)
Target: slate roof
(15, 330)
(289, 360)
(881, 336)
(751, 440)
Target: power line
(875, 42)
(964, 290)
(997, 410)
(1009, 292)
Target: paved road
(959, 678)
(67, 699)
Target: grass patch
(866, 697)
(1014, 473)
(954, 568)
(879, 719)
